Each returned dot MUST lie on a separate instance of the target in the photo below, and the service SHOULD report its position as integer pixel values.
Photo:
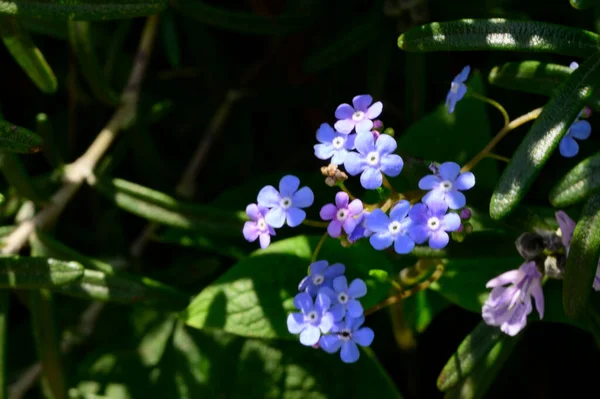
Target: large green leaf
(544, 136)
(582, 261)
(17, 139)
(579, 183)
(26, 272)
(499, 34)
(253, 298)
(79, 10)
(583, 4)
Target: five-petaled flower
(284, 205)
(447, 185)
(313, 320)
(320, 275)
(580, 130)
(346, 335)
(360, 117)
(373, 159)
(508, 307)
(343, 214)
(258, 227)
(458, 89)
(334, 145)
(345, 298)
(430, 222)
(391, 230)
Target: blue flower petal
(275, 217)
(365, 143)
(568, 147)
(385, 144)
(381, 241)
(295, 323)
(451, 222)
(330, 343)
(337, 269)
(428, 182)
(349, 352)
(449, 171)
(378, 221)
(455, 200)
(303, 198)
(581, 130)
(310, 335)
(354, 164)
(371, 178)
(268, 197)
(400, 210)
(419, 233)
(325, 133)
(439, 239)
(355, 309)
(288, 185)
(344, 126)
(362, 102)
(350, 142)
(391, 164)
(303, 302)
(318, 267)
(324, 151)
(363, 336)
(339, 156)
(322, 302)
(295, 217)
(357, 289)
(465, 181)
(463, 75)
(404, 245)
(338, 311)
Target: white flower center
(395, 228)
(286, 202)
(454, 87)
(312, 316)
(342, 297)
(373, 158)
(433, 223)
(358, 116)
(318, 279)
(342, 215)
(338, 143)
(261, 224)
(446, 186)
(345, 335)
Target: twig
(82, 169)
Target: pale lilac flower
(430, 222)
(346, 335)
(313, 320)
(320, 275)
(458, 89)
(258, 227)
(345, 298)
(508, 307)
(342, 214)
(391, 230)
(334, 145)
(359, 117)
(373, 159)
(447, 185)
(284, 205)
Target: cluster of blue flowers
(331, 315)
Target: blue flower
(375, 157)
(458, 89)
(359, 117)
(284, 205)
(447, 184)
(334, 145)
(392, 230)
(313, 320)
(430, 222)
(345, 297)
(360, 231)
(580, 130)
(320, 275)
(346, 335)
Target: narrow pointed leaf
(80, 37)
(18, 139)
(581, 182)
(170, 39)
(82, 10)
(582, 260)
(583, 4)
(474, 348)
(164, 209)
(35, 272)
(243, 22)
(50, 150)
(544, 136)
(19, 44)
(499, 34)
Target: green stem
(495, 104)
(315, 223)
(318, 248)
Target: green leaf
(170, 39)
(544, 136)
(35, 272)
(355, 39)
(51, 151)
(20, 45)
(253, 298)
(470, 353)
(499, 34)
(476, 384)
(463, 281)
(108, 285)
(161, 208)
(18, 139)
(582, 261)
(187, 238)
(421, 308)
(80, 37)
(456, 137)
(17, 176)
(583, 4)
(578, 184)
(55, 29)
(82, 10)
(241, 21)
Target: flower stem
(315, 223)
(318, 248)
(388, 185)
(342, 187)
(521, 120)
(439, 270)
(495, 104)
(498, 157)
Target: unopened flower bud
(378, 125)
(465, 214)
(468, 228)
(586, 113)
(389, 131)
